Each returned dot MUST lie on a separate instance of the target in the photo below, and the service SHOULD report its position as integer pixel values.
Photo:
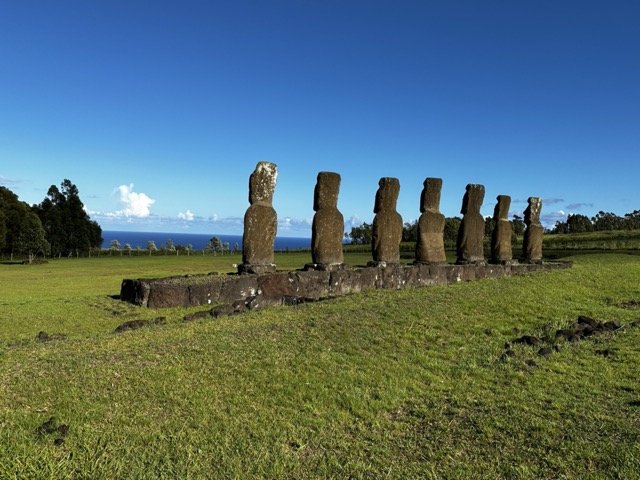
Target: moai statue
(327, 230)
(386, 233)
(260, 221)
(501, 236)
(532, 244)
(430, 244)
(471, 234)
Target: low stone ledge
(198, 290)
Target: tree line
(602, 221)
(214, 246)
(56, 226)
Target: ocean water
(197, 240)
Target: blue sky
(158, 111)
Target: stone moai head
(430, 197)
(387, 194)
(326, 191)
(501, 211)
(262, 183)
(472, 200)
(532, 212)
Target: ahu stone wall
(307, 285)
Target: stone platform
(299, 286)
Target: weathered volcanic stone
(532, 244)
(501, 251)
(386, 232)
(327, 230)
(241, 292)
(260, 221)
(471, 233)
(430, 243)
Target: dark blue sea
(197, 240)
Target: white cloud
(135, 204)
(294, 224)
(8, 181)
(188, 215)
(550, 219)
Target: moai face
(387, 194)
(532, 212)
(430, 198)
(472, 200)
(501, 211)
(262, 183)
(326, 191)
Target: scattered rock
(545, 351)
(528, 340)
(630, 304)
(634, 403)
(58, 442)
(612, 325)
(604, 352)
(529, 362)
(63, 430)
(584, 320)
(506, 354)
(47, 427)
(196, 315)
(43, 337)
(565, 333)
(136, 324)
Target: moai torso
(430, 242)
(471, 233)
(532, 244)
(386, 232)
(260, 221)
(501, 251)
(327, 230)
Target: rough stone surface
(260, 221)
(241, 292)
(532, 244)
(430, 243)
(501, 251)
(386, 233)
(471, 234)
(327, 230)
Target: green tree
(214, 245)
(127, 248)
(489, 225)
(632, 220)
(3, 230)
(68, 227)
(577, 223)
(451, 227)
(31, 238)
(410, 231)
(361, 235)
(607, 221)
(17, 221)
(517, 225)
(151, 246)
(115, 247)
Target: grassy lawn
(403, 384)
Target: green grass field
(384, 384)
